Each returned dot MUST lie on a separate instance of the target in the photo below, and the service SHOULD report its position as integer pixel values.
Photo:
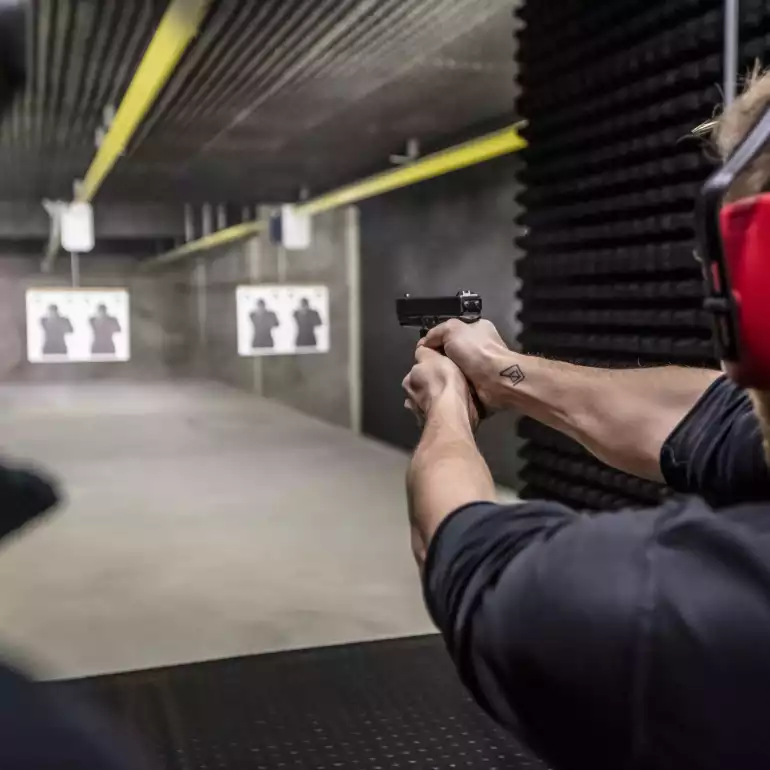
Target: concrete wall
(159, 347)
(324, 385)
(184, 319)
(21, 220)
(447, 234)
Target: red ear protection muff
(734, 244)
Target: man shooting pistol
(619, 639)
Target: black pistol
(424, 313)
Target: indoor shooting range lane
(201, 523)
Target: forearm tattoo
(514, 374)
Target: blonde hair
(730, 128)
(727, 131)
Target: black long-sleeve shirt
(634, 639)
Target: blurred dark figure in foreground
(39, 728)
(13, 52)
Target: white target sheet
(78, 325)
(279, 320)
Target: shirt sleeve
(610, 640)
(716, 451)
(540, 608)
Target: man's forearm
(622, 416)
(446, 472)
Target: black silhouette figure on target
(308, 320)
(56, 327)
(104, 327)
(263, 321)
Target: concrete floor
(201, 523)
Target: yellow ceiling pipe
(229, 235)
(479, 150)
(177, 28)
(470, 153)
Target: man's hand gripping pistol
(424, 313)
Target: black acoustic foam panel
(754, 34)
(612, 90)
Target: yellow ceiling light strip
(177, 28)
(479, 150)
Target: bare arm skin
(447, 471)
(623, 417)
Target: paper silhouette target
(77, 325)
(275, 320)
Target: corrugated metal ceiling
(272, 95)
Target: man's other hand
(479, 352)
(435, 381)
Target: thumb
(435, 337)
(423, 354)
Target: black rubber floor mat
(394, 705)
